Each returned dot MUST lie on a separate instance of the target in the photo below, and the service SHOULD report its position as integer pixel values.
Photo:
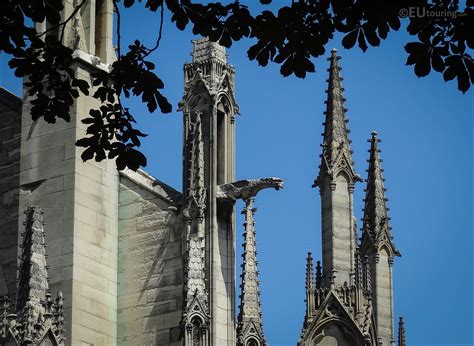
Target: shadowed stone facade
(137, 262)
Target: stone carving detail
(210, 74)
(194, 212)
(196, 194)
(77, 38)
(37, 319)
(195, 310)
(245, 189)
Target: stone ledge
(153, 185)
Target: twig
(118, 28)
(66, 21)
(158, 40)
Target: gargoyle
(244, 189)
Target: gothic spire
(376, 220)
(336, 153)
(38, 320)
(401, 333)
(310, 308)
(250, 325)
(33, 277)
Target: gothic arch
(342, 174)
(224, 103)
(224, 122)
(385, 248)
(335, 332)
(252, 342)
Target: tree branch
(76, 9)
(158, 40)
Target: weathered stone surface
(150, 264)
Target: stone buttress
(209, 110)
(79, 199)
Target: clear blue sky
(427, 132)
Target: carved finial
(319, 274)
(333, 278)
(366, 274)
(358, 281)
(4, 312)
(401, 333)
(310, 302)
(58, 315)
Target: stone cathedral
(93, 256)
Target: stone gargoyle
(248, 188)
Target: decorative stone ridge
(153, 185)
(35, 319)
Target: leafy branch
(291, 37)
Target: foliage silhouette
(291, 37)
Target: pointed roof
(33, 276)
(36, 316)
(250, 312)
(376, 221)
(332, 309)
(309, 286)
(401, 333)
(336, 143)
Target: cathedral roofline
(153, 185)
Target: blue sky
(427, 147)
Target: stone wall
(225, 275)
(337, 238)
(383, 298)
(150, 262)
(10, 126)
(80, 202)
